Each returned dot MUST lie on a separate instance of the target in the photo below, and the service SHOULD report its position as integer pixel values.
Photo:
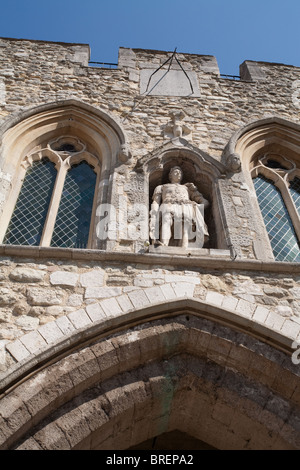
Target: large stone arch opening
(172, 374)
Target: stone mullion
(11, 202)
(54, 204)
(291, 209)
(92, 241)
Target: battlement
(73, 52)
(138, 59)
(143, 59)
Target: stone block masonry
(36, 293)
(34, 72)
(203, 338)
(40, 302)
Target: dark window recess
(275, 164)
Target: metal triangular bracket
(170, 59)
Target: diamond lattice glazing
(295, 192)
(27, 223)
(74, 215)
(277, 220)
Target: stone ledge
(179, 251)
(209, 261)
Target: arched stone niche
(199, 169)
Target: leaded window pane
(295, 192)
(74, 214)
(27, 222)
(277, 220)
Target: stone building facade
(111, 341)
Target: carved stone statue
(233, 163)
(176, 128)
(177, 213)
(124, 153)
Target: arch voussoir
(106, 368)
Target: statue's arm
(156, 200)
(196, 196)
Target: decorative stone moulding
(66, 145)
(63, 157)
(69, 119)
(179, 150)
(233, 163)
(124, 154)
(285, 171)
(268, 134)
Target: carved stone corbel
(124, 154)
(233, 163)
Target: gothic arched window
(277, 185)
(55, 202)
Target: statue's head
(175, 174)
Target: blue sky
(232, 30)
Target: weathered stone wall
(36, 73)
(33, 73)
(74, 294)
(184, 372)
(56, 300)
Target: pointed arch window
(56, 198)
(277, 184)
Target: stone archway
(178, 373)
